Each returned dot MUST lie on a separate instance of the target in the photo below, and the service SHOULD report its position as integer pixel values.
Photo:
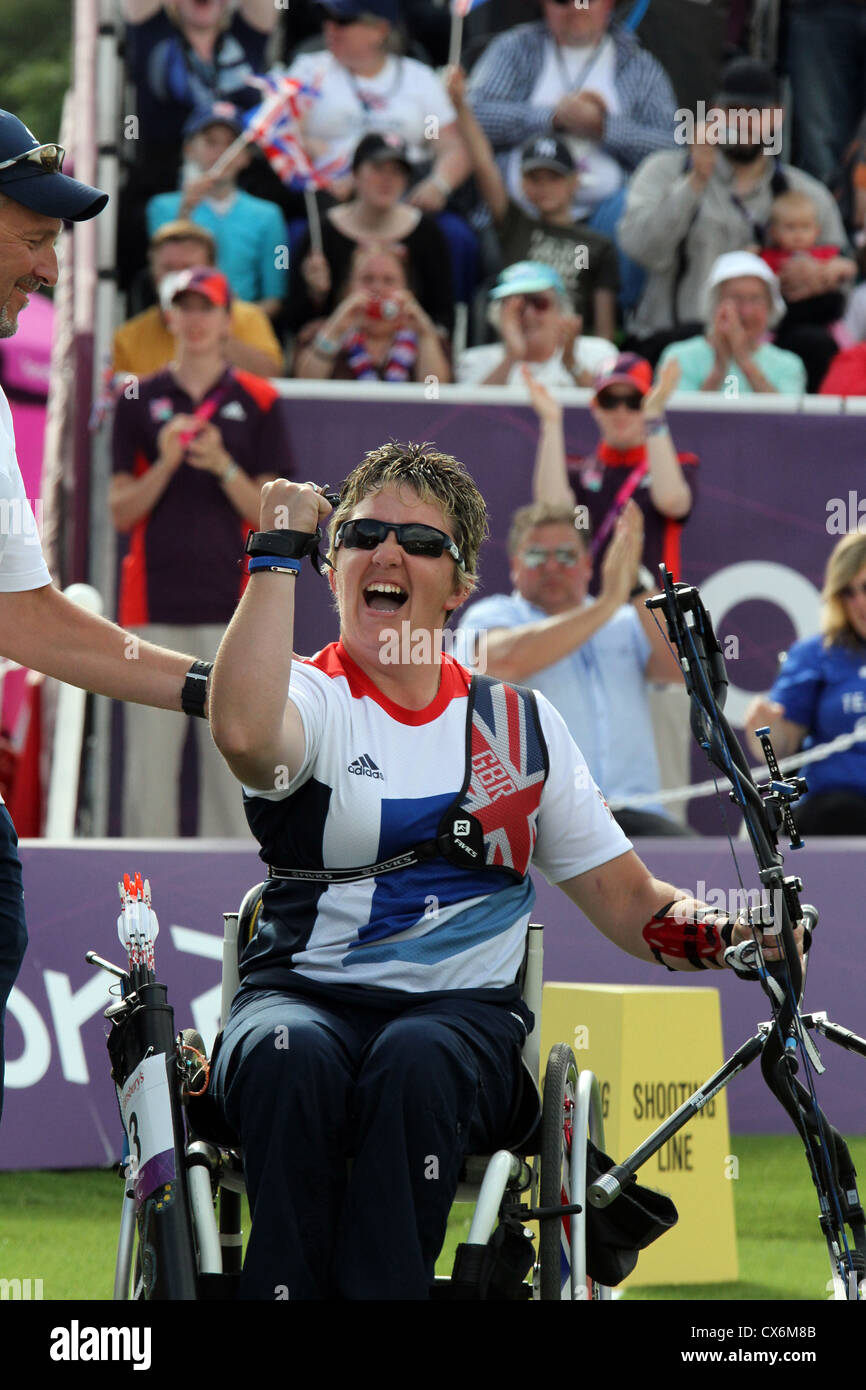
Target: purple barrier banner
(61, 1107)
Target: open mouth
(385, 598)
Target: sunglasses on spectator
(853, 590)
(542, 302)
(49, 158)
(536, 556)
(413, 537)
(609, 400)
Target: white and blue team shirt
(375, 781)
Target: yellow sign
(650, 1049)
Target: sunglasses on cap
(609, 400)
(413, 537)
(49, 158)
(536, 556)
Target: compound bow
(784, 1045)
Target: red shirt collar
(620, 458)
(454, 684)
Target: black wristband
(194, 693)
(290, 545)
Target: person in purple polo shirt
(186, 489)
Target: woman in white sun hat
(734, 355)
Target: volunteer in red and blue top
(192, 449)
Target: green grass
(61, 1227)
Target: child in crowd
(586, 260)
(249, 232)
(792, 233)
(815, 301)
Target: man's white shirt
(22, 564)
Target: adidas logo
(365, 767)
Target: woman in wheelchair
(399, 801)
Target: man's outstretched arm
(45, 631)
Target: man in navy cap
(39, 627)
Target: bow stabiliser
(787, 1049)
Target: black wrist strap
(290, 545)
(194, 693)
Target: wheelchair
(186, 1242)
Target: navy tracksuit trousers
(405, 1091)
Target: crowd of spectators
(552, 184)
(559, 141)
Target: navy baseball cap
(30, 175)
(381, 148)
(221, 113)
(546, 152)
(357, 9)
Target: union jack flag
(509, 768)
(274, 127)
(462, 7)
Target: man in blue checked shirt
(588, 79)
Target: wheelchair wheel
(557, 1128)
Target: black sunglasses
(413, 537)
(610, 402)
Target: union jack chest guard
(493, 821)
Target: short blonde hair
(434, 477)
(527, 518)
(846, 561)
(182, 229)
(793, 200)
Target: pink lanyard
(625, 492)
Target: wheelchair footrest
(496, 1270)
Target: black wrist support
(194, 693)
(291, 545)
